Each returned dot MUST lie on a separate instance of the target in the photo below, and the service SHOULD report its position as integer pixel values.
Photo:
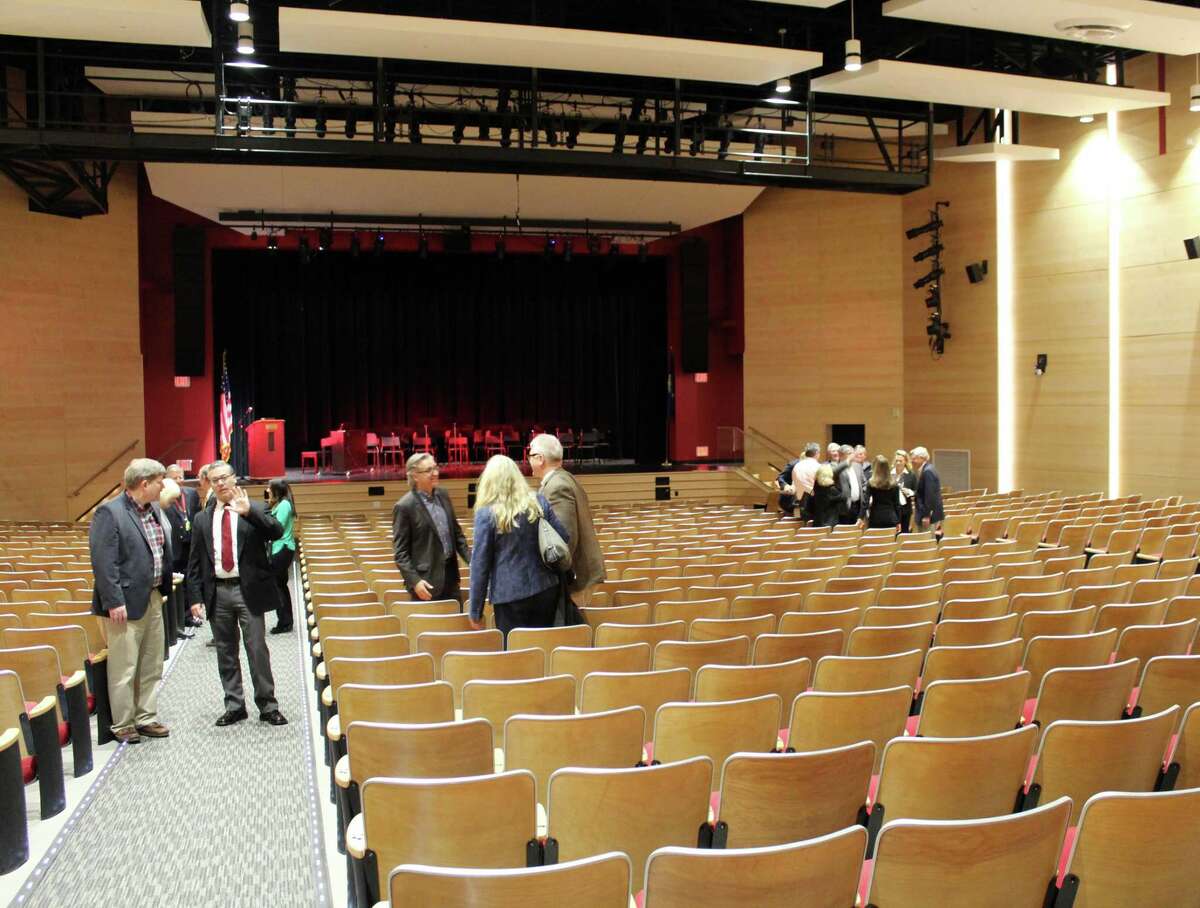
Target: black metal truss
(67, 187)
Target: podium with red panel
(264, 443)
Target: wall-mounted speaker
(693, 295)
(1192, 245)
(1039, 367)
(977, 271)
(187, 247)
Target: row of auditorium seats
(871, 701)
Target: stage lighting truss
(937, 330)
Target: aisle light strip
(1114, 301)
(1005, 391)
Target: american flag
(226, 415)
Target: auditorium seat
(1046, 652)
(1144, 642)
(953, 778)
(1080, 759)
(692, 655)
(41, 676)
(1003, 862)
(71, 644)
(438, 643)
(771, 799)
(967, 609)
(543, 744)
(1186, 759)
(638, 613)
(826, 870)
(435, 822)
(770, 649)
(393, 704)
(580, 661)
(14, 829)
(954, 663)
(1069, 623)
(737, 682)
(887, 641)
(716, 730)
(975, 631)
(513, 665)
(1134, 849)
(708, 629)
(813, 622)
(1168, 681)
(972, 707)
(548, 638)
(823, 720)
(43, 762)
(498, 700)
(650, 634)
(1091, 693)
(603, 691)
(862, 673)
(602, 881)
(403, 610)
(354, 647)
(392, 670)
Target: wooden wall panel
(71, 396)
(951, 402)
(823, 316)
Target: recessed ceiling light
(1093, 28)
(239, 11)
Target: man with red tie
(229, 577)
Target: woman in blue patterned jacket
(506, 563)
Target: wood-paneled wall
(823, 316)
(71, 385)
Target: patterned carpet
(208, 816)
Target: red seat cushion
(28, 769)
(1065, 856)
(64, 734)
(910, 727)
(864, 880)
(91, 702)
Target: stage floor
(472, 471)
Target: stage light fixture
(245, 37)
(355, 245)
(669, 141)
(934, 250)
(305, 251)
(351, 122)
(322, 118)
(506, 130)
(637, 108)
(243, 117)
(380, 242)
(643, 136)
(501, 249)
(934, 299)
(239, 11)
(723, 149)
(414, 126)
(272, 243)
(551, 245)
(932, 276)
(324, 238)
(485, 125)
(254, 234)
(914, 232)
(760, 145)
(1192, 245)
(568, 248)
(614, 247)
(619, 134)
(697, 144)
(977, 271)
(389, 126)
(573, 125)
(460, 126)
(551, 132)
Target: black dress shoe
(274, 717)
(281, 628)
(231, 716)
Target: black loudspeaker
(187, 244)
(1192, 245)
(1039, 366)
(693, 294)
(977, 271)
(457, 240)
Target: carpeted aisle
(208, 816)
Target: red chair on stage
(422, 443)
(390, 449)
(309, 458)
(374, 451)
(456, 449)
(567, 440)
(493, 443)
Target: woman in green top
(283, 550)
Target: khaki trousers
(135, 664)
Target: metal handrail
(764, 439)
(87, 482)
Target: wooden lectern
(264, 443)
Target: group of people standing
(233, 556)
(507, 562)
(904, 493)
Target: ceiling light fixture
(1194, 94)
(1095, 29)
(245, 42)
(239, 11)
(853, 47)
(1086, 118)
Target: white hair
(170, 491)
(918, 451)
(548, 446)
(413, 466)
(141, 469)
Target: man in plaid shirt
(130, 544)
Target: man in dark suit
(130, 545)
(426, 538)
(928, 503)
(573, 510)
(180, 513)
(229, 577)
(852, 481)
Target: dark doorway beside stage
(385, 342)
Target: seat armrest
(341, 772)
(327, 696)
(320, 671)
(76, 678)
(45, 705)
(356, 838)
(333, 728)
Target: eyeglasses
(427, 470)
(218, 480)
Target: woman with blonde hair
(881, 498)
(506, 561)
(822, 504)
(906, 479)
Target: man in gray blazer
(570, 503)
(426, 538)
(130, 543)
(852, 480)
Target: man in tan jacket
(571, 507)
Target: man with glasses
(229, 577)
(426, 538)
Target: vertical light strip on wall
(1114, 300)
(1005, 340)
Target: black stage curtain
(383, 342)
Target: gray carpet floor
(208, 816)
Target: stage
(296, 476)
